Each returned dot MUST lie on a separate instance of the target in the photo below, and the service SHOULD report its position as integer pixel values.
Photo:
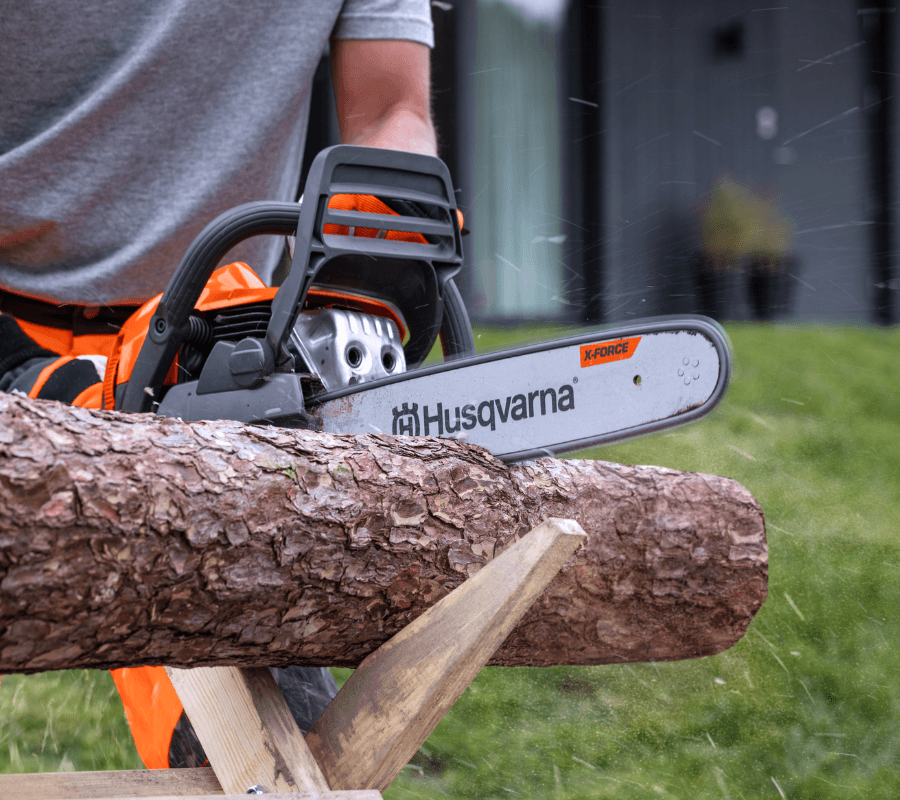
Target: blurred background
(588, 141)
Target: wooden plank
(401, 691)
(109, 783)
(364, 794)
(369, 794)
(153, 784)
(243, 722)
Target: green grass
(62, 721)
(805, 705)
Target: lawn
(803, 707)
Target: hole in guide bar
(637, 380)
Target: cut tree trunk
(135, 539)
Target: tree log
(135, 539)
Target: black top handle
(409, 178)
(343, 169)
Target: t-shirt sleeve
(386, 19)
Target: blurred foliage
(803, 707)
(737, 223)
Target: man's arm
(383, 93)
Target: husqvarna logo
(406, 420)
(441, 421)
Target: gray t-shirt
(125, 127)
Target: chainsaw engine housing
(343, 348)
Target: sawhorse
(373, 726)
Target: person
(126, 127)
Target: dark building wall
(879, 28)
(683, 83)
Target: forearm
(382, 91)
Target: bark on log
(133, 539)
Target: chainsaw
(339, 346)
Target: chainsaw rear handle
(342, 169)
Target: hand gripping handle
(350, 170)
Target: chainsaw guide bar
(549, 398)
